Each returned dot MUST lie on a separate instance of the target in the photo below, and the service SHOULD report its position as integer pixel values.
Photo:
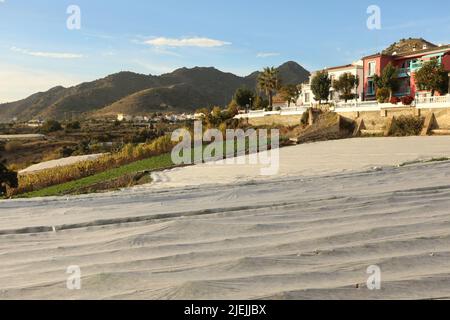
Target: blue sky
(38, 51)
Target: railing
(420, 102)
(292, 109)
(282, 112)
(419, 64)
(416, 65)
(404, 72)
(434, 99)
(256, 111)
(357, 104)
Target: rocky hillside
(408, 45)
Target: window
(370, 87)
(306, 97)
(372, 66)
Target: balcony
(404, 72)
(419, 64)
(416, 65)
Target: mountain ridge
(183, 90)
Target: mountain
(86, 97)
(290, 73)
(175, 98)
(183, 90)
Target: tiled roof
(342, 67)
(421, 52)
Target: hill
(290, 73)
(408, 45)
(164, 99)
(132, 93)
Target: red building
(408, 61)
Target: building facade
(407, 63)
(356, 69)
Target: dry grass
(407, 126)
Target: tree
(268, 82)
(214, 117)
(388, 79)
(232, 110)
(320, 86)
(260, 103)
(243, 97)
(290, 93)
(345, 85)
(8, 178)
(51, 126)
(74, 125)
(432, 77)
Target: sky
(42, 45)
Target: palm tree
(268, 82)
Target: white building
(35, 123)
(356, 69)
(124, 117)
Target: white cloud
(17, 82)
(53, 55)
(186, 42)
(267, 54)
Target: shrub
(51, 126)
(407, 126)
(8, 178)
(74, 125)
(141, 136)
(12, 146)
(305, 118)
(82, 148)
(407, 100)
(394, 100)
(66, 152)
(383, 95)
